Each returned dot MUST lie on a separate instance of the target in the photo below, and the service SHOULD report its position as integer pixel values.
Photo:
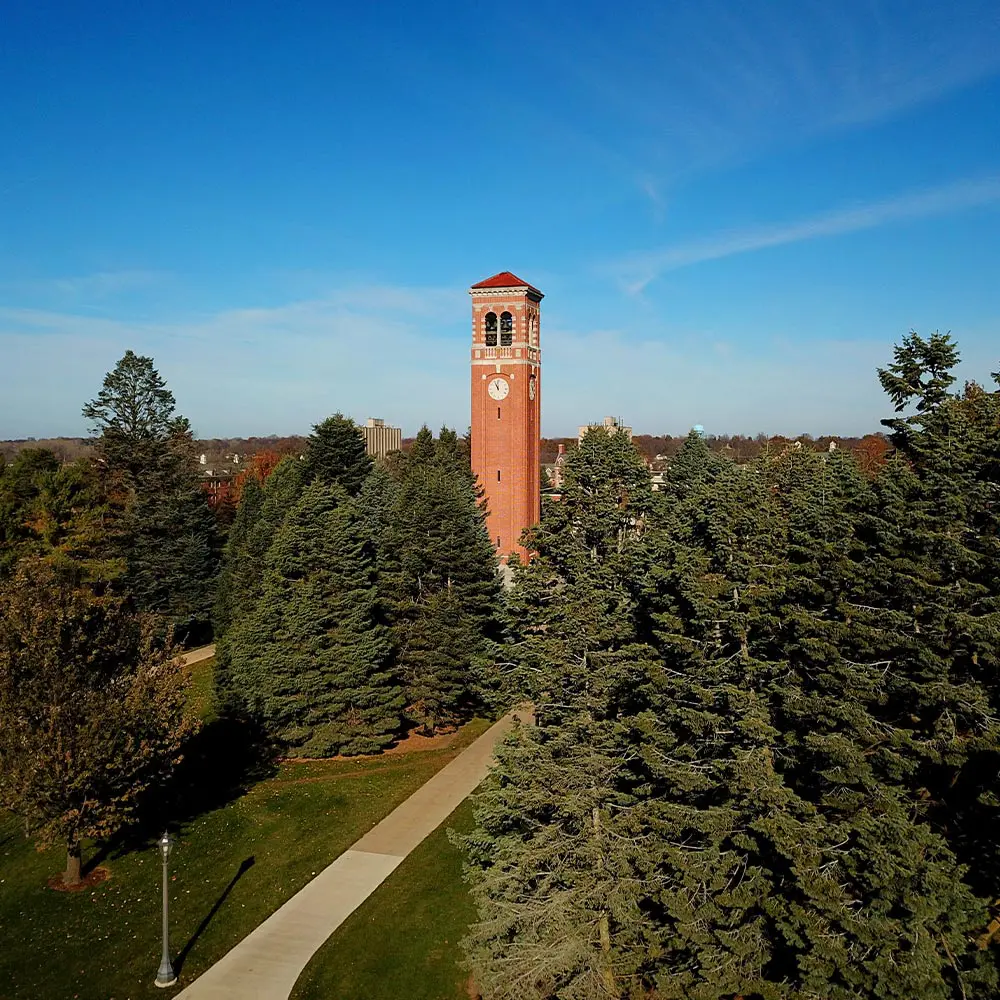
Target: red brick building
(507, 404)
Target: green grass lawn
(234, 865)
(402, 942)
(201, 694)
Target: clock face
(498, 388)
(531, 388)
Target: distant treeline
(69, 449)
(740, 447)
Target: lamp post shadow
(182, 955)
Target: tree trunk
(72, 874)
(603, 924)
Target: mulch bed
(88, 881)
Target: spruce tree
(312, 659)
(336, 454)
(767, 758)
(690, 467)
(939, 558)
(172, 538)
(433, 663)
(555, 866)
(715, 810)
(433, 541)
(845, 752)
(159, 522)
(247, 515)
(261, 514)
(376, 501)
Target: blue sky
(734, 209)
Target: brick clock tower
(507, 405)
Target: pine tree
(433, 541)
(939, 563)
(845, 754)
(261, 512)
(336, 454)
(555, 864)
(434, 663)
(247, 514)
(767, 758)
(159, 522)
(716, 811)
(311, 661)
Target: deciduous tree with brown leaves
(92, 708)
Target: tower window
(498, 475)
(506, 329)
(498, 413)
(490, 329)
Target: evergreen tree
(261, 514)
(845, 750)
(787, 717)
(336, 455)
(422, 451)
(691, 467)
(51, 510)
(247, 515)
(376, 501)
(159, 521)
(312, 659)
(939, 563)
(555, 864)
(133, 415)
(434, 663)
(715, 810)
(21, 484)
(433, 541)
(767, 759)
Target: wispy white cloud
(97, 286)
(679, 88)
(637, 271)
(403, 354)
(382, 351)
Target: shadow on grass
(224, 759)
(247, 864)
(221, 762)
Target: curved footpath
(199, 654)
(267, 962)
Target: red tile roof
(506, 280)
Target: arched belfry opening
(490, 329)
(506, 329)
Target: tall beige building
(380, 439)
(612, 425)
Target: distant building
(612, 425)
(381, 439)
(556, 473)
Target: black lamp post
(166, 975)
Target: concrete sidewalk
(267, 962)
(199, 654)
